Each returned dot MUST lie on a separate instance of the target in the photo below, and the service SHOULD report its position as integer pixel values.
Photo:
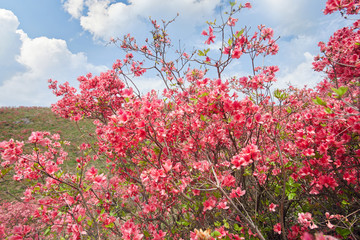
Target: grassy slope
(18, 123)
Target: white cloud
(74, 7)
(146, 84)
(41, 58)
(9, 20)
(105, 19)
(302, 75)
(10, 43)
(290, 17)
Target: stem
(283, 194)
(246, 217)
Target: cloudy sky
(63, 39)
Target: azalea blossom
(277, 228)
(232, 21)
(210, 34)
(209, 204)
(272, 207)
(237, 192)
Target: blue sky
(63, 39)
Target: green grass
(18, 123)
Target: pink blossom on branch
(272, 207)
(232, 21)
(210, 35)
(209, 204)
(277, 228)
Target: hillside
(18, 123)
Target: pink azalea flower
(209, 204)
(237, 193)
(232, 21)
(222, 205)
(272, 207)
(229, 181)
(210, 34)
(277, 228)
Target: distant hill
(18, 123)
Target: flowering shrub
(280, 164)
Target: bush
(197, 161)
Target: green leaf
(357, 43)
(280, 94)
(343, 232)
(146, 234)
(237, 228)
(340, 91)
(291, 196)
(5, 171)
(328, 110)
(88, 188)
(240, 33)
(156, 150)
(291, 188)
(90, 222)
(277, 93)
(206, 51)
(170, 106)
(201, 53)
(80, 218)
(215, 234)
(184, 223)
(289, 164)
(194, 100)
(226, 224)
(47, 231)
(204, 94)
(111, 225)
(127, 99)
(142, 163)
(216, 215)
(232, 3)
(230, 42)
(217, 224)
(319, 101)
(247, 172)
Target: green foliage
(281, 95)
(340, 91)
(343, 232)
(319, 101)
(291, 188)
(237, 35)
(215, 234)
(204, 52)
(232, 4)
